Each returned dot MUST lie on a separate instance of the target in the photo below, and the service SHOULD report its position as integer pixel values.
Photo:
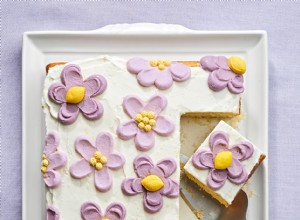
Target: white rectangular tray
(124, 40)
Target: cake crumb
(199, 214)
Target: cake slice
(223, 163)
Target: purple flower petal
(203, 159)
(222, 62)
(115, 161)
(238, 81)
(51, 142)
(214, 83)
(207, 159)
(163, 127)
(115, 211)
(56, 160)
(52, 213)
(103, 180)
(85, 147)
(241, 178)
(242, 151)
(94, 85)
(68, 113)
(71, 76)
(91, 109)
(168, 166)
(57, 93)
(144, 140)
(127, 130)
(219, 175)
(52, 178)
(214, 184)
(156, 104)
(152, 202)
(164, 79)
(217, 140)
(80, 169)
(132, 105)
(170, 189)
(236, 85)
(209, 63)
(135, 65)
(104, 143)
(142, 165)
(90, 211)
(132, 186)
(137, 186)
(180, 72)
(235, 169)
(224, 75)
(147, 77)
(157, 171)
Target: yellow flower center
(152, 183)
(45, 163)
(105, 218)
(98, 160)
(145, 120)
(237, 65)
(75, 94)
(161, 64)
(223, 160)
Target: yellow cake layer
(206, 188)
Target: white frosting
(229, 190)
(192, 95)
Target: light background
(280, 19)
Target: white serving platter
(128, 40)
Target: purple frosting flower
(145, 121)
(147, 174)
(75, 94)
(52, 213)
(52, 160)
(98, 158)
(221, 75)
(91, 211)
(158, 73)
(205, 159)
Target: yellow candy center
(75, 94)
(223, 160)
(161, 64)
(98, 160)
(152, 183)
(237, 65)
(45, 163)
(145, 120)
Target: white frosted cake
(113, 132)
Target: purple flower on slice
(97, 158)
(75, 94)
(52, 213)
(153, 181)
(160, 73)
(222, 75)
(52, 160)
(223, 161)
(91, 211)
(145, 121)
